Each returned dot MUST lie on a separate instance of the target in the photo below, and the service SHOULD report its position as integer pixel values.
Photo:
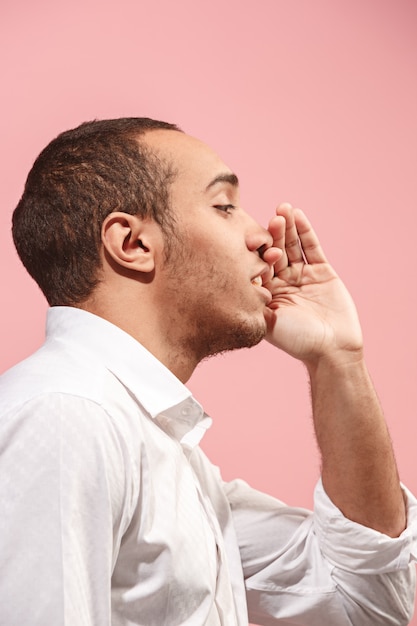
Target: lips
(264, 276)
(257, 281)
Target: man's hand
(312, 317)
(311, 313)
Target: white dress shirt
(112, 514)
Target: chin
(243, 334)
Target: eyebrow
(232, 179)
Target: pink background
(310, 102)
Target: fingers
(309, 242)
(277, 229)
(294, 235)
(292, 241)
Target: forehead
(195, 163)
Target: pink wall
(311, 102)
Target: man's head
(142, 224)
(77, 180)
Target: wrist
(339, 360)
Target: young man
(111, 512)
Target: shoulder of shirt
(48, 371)
(88, 357)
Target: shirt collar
(153, 385)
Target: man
(111, 512)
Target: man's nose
(258, 238)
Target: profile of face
(212, 277)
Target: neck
(160, 339)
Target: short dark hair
(77, 180)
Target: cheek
(213, 262)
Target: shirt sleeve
(319, 568)
(62, 493)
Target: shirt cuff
(358, 549)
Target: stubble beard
(208, 329)
(223, 338)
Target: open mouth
(257, 281)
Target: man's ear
(131, 241)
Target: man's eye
(226, 208)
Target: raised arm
(313, 318)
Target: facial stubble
(207, 326)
